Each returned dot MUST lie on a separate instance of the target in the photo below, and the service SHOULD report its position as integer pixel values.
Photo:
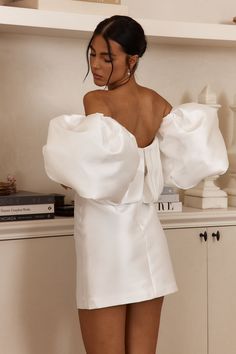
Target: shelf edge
(31, 21)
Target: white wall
(42, 77)
(183, 10)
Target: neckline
(123, 127)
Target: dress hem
(97, 303)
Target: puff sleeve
(91, 154)
(192, 147)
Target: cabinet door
(37, 297)
(183, 328)
(222, 290)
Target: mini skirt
(122, 254)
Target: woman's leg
(103, 330)
(142, 326)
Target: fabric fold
(191, 144)
(92, 154)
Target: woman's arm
(167, 108)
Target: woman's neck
(125, 84)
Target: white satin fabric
(88, 155)
(122, 253)
(192, 146)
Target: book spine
(26, 209)
(26, 200)
(168, 206)
(26, 217)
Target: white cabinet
(37, 293)
(183, 328)
(201, 317)
(37, 296)
(222, 290)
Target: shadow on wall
(186, 97)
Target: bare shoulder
(96, 102)
(160, 105)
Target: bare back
(139, 110)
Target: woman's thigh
(103, 330)
(142, 326)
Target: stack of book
(24, 205)
(169, 201)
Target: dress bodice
(100, 159)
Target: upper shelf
(31, 21)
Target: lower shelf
(60, 226)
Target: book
(168, 206)
(27, 198)
(169, 190)
(169, 197)
(26, 209)
(27, 217)
(65, 210)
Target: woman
(111, 158)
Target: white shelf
(30, 21)
(38, 228)
(192, 217)
(61, 226)
(176, 32)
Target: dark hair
(125, 31)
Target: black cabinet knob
(216, 235)
(203, 235)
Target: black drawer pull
(217, 235)
(203, 235)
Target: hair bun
(143, 49)
(125, 31)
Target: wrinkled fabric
(192, 146)
(121, 250)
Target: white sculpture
(207, 194)
(231, 189)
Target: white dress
(121, 249)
